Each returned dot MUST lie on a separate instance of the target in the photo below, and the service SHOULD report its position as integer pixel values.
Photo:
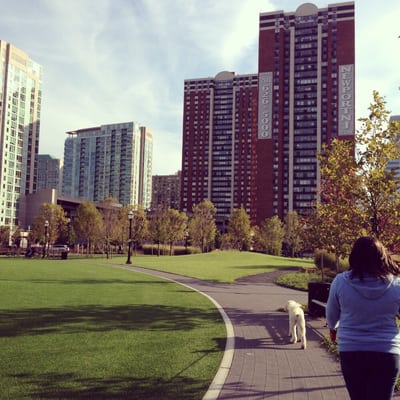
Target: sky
(109, 61)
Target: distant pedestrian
(362, 305)
(30, 252)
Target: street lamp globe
(46, 226)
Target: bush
(182, 250)
(298, 280)
(152, 249)
(328, 261)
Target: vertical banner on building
(265, 83)
(346, 112)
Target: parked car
(57, 249)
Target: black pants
(369, 375)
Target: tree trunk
(337, 262)
(322, 267)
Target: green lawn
(218, 266)
(75, 330)
(78, 329)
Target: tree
(239, 229)
(88, 224)
(315, 237)
(202, 225)
(378, 142)
(175, 224)
(272, 233)
(339, 215)
(257, 241)
(139, 227)
(67, 236)
(157, 228)
(4, 235)
(359, 192)
(293, 232)
(57, 224)
(111, 221)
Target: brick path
(264, 364)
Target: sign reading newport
(346, 100)
(265, 105)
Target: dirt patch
(267, 277)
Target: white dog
(296, 321)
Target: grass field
(74, 329)
(218, 266)
(78, 329)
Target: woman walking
(362, 306)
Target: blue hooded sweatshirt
(364, 313)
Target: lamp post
(46, 227)
(186, 240)
(68, 230)
(130, 217)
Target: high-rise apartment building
(49, 172)
(20, 104)
(109, 160)
(145, 167)
(166, 191)
(252, 141)
(306, 98)
(219, 132)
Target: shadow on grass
(269, 267)
(88, 281)
(69, 386)
(96, 318)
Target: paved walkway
(263, 364)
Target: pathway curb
(226, 362)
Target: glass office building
(109, 160)
(49, 172)
(20, 105)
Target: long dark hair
(369, 256)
